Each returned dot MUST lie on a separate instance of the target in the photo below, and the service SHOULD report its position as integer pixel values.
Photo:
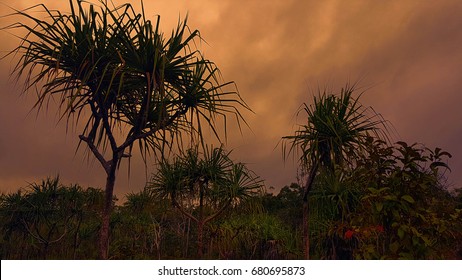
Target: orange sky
(407, 52)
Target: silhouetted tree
(203, 187)
(132, 83)
(335, 133)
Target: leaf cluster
(115, 70)
(336, 129)
(211, 176)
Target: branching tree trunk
(201, 221)
(213, 182)
(118, 66)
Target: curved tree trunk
(306, 211)
(306, 230)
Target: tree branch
(219, 212)
(106, 165)
(310, 180)
(109, 134)
(97, 116)
(162, 125)
(143, 112)
(178, 206)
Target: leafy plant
(335, 135)
(406, 199)
(202, 187)
(49, 220)
(116, 72)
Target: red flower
(379, 228)
(349, 234)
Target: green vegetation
(334, 137)
(50, 221)
(390, 206)
(135, 84)
(202, 188)
(362, 197)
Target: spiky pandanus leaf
(112, 69)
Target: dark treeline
(393, 205)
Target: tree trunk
(306, 231)
(76, 236)
(109, 191)
(188, 233)
(200, 239)
(306, 211)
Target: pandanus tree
(115, 72)
(203, 186)
(45, 220)
(335, 134)
(44, 213)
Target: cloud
(407, 53)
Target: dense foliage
(49, 220)
(392, 205)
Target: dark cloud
(407, 53)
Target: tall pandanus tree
(335, 135)
(114, 71)
(203, 186)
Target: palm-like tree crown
(336, 130)
(117, 69)
(125, 70)
(211, 177)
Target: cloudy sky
(407, 53)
